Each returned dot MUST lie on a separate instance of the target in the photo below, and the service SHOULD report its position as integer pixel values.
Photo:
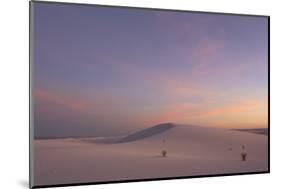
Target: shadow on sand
(159, 156)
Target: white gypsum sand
(191, 151)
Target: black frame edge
(29, 91)
(268, 106)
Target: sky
(100, 71)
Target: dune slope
(158, 129)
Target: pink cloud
(70, 103)
(187, 89)
(99, 103)
(175, 113)
(207, 49)
(205, 54)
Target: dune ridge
(149, 132)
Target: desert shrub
(243, 156)
(164, 153)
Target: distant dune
(261, 131)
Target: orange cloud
(241, 107)
(246, 113)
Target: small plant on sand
(243, 154)
(164, 153)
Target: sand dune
(139, 135)
(191, 150)
(158, 129)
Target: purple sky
(103, 70)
